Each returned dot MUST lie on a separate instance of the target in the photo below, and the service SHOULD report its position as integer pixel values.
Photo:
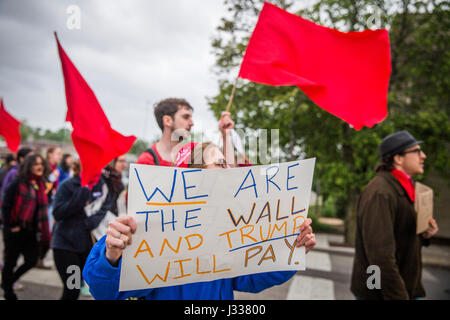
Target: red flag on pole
(94, 139)
(346, 74)
(9, 129)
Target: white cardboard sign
(198, 225)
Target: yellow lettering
(143, 250)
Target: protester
(112, 175)
(72, 240)
(10, 161)
(386, 224)
(174, 117)
(26, 227)
(207, 156)
(65, 167)
(12, 173)
(102, 269)
(54, 156)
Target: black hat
(396, 143)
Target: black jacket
(72, 228)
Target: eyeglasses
(220, 163)
(417, 150)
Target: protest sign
(423, 206)
(198, 225)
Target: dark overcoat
(386, 237)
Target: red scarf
(31, 200)
(406, 182)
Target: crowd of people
(44, 206)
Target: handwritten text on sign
(201, 225)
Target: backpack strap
(153, 153)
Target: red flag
(9, 129)
(94, 139)
(346, 74)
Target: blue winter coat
(103, 281)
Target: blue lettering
(172, 222)
(290, 177)
(190, 218)
(157, 189)
(146, 216)
(270, 179)
(189, 187)
(252, 185)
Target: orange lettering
(189, 243)
(214, 266)
(168, 244)
(279, 229)
(247, 234)
(272, 256)
(295, 224)
(228, 237)
(181, 269)
(251, 249)
(268, 233)
(146, 249)
(200, 272)
(156, 275)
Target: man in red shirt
(174, 117)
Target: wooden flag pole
(232, 95)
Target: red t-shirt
(147, 158)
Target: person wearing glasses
(207, 156)
(386, 225)
(26, 226)
(102, 269)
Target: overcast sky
(132, 53)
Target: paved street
(327, 277)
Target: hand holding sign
(306, 236)
(118, 237)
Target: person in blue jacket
(102, 268)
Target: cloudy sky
(132, 53)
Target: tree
(139, 146)
(417, 101)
